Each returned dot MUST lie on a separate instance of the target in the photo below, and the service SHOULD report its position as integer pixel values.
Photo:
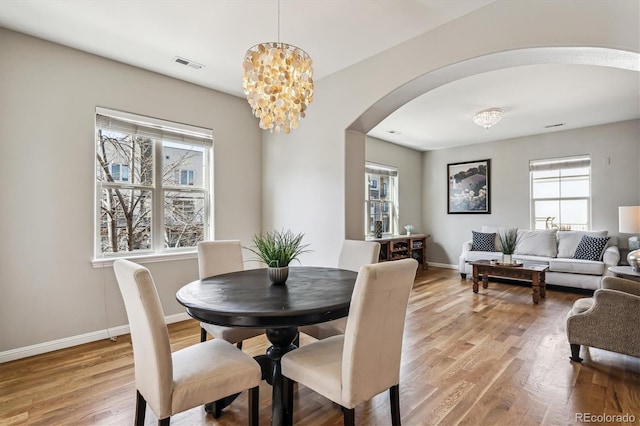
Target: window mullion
(157, 227)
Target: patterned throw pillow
(590, 248)
(483, 241)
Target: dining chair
(174, 382)
(352, 368)
(216, 258)
(353, 255)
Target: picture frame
(469, 187)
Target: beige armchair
(609, 320)
(216, 258)
(174, 382)
(353, 255)
(352, 368)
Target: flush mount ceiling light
(278, 82)
(487, 117)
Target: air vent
(550, 126)
(187, 62)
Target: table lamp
(629, 222)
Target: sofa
(576, 259)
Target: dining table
(247, 298)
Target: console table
(403, 246)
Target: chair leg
(349, 415)
(288, 399)
(254, 406)
(296, 341)
(575, 353)
(141, 406)
(394, 398)
(239, 345)
(203, 335)
(164, 422)
(217, 409)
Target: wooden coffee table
(535, 273)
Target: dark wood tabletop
(248, 299)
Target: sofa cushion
(568, 241)
(483, 241)
(472, 256)
(591, 248)
(576, 266)
(539, 242)
(532, 259)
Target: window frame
(560, 164)
(392, 198)
(166, 133)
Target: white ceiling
(336, 33)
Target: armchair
(607, 321)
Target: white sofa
(554, 248)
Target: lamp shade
(629, 219)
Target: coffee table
(535, 273)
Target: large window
(561, 193)
(153, 181)
(381, 195)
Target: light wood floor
(491, 358)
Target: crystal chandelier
(278, 82)
(487, 117)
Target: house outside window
(561, 193)
(153, 181)
(381, 199)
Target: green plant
(278, 248)
(509, 240)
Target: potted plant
(277, 249)
(508, 241)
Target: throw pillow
(483, 241)
(540, 242)
(568, 241)
(590, 248)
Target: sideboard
(403, 246)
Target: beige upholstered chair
(175, 382)
(607, 321)
(353, 255)
(216, 258)
(352, 368)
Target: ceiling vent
(187, 62)
(551, 126)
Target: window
(381, 195)
(561, 193)
(153, 181)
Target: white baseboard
(443, 265)
(68, 342)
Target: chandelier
(278, 82)
(487, 117)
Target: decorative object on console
(277, 249)
(378, 229)
(278, 82)
(487, 117)
(409, 229)
(629, 222)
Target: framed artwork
(469, 189)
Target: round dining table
(247, 298)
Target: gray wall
(615, 179)
(48, 94)
(409, 164)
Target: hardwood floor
(491, 358)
